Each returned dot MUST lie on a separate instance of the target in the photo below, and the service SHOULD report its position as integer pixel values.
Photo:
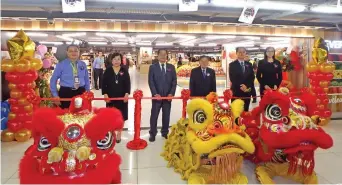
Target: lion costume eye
(273, 112)
(43, 144)
(199, 117)
(105, 143)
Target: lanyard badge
(75, 74)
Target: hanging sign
(73, 6)
(248, 14)
(188, 5)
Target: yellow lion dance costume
(208, 147)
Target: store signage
(188, 5)
(334, 44)
(335, 100)
(248, 13)
(73, 6)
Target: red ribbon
(185, 95)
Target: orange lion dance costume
(287, 138)
(75, 146)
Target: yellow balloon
(15, 94)
(322, 55)
(36, 64)
(7, 136)
(12, 86)
(7, 65)
(23, 101)
(22, 135)
(11, 116)
(23, 65)
(28, 108)
(323, 121)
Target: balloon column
(21, 72)
(320, 73)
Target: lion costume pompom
(287, 136)
(74, 146)
(207, 147)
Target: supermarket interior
(292, 134)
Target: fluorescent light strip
(119, 43)
(279, 38)
(143, 43)
(220, 37)
(275, 46)
(252, 38)
(327, 9)
(183, 36)
(150, 35)
(31, 34)
(208, 45)
(74, 34)
(266, 5)
(187, 44)
(175, 2)
(54, 43)
(116, 35)
(253, 48)
(164, 44)
(97, 43)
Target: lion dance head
(288, 132)
(208, 146)
(73, 146)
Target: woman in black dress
(269, 73)
(116, 83)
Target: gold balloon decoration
(11, 116)
(36, 64)
(323, 121)
(22, 135)
(7, 65)
(7, 136)
(12, 86)
(23, 65)
(20, 45)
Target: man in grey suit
(162, 81)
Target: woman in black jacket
(269, 73)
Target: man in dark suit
(162, 81)
(202, 79)
(241, 75)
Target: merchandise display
(73, 146)
(287, 137)
(21, 73)
(208, 147)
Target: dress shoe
(118, 141)
(152, 139)
(254, 101)
(164, 136)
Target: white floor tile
(129, 176)
(159, 175)
(3, 180)
(329, 166)
(128, 158)
(13, 181)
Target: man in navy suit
(241, 75)
(162, 81)
(202, 79)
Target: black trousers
(67, 92)
(247, 102)
(98, 74)
(165, 105)
(253, 92)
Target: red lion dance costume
(74, 146)
(287, 138)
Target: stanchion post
(137, 143)
(185, 95)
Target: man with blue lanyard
(98, 66)
(73, 76)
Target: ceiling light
(275, 46)
(31, 34)
(255, 48)
(278, 38)
(220, 37)
(236, 44)
(187, 44)
(144, 43)
(183, 36)
(116, 35)
(270, 5)
(150, 35)
(327, 9)
(252, 38)
(164, 44)
(208, 45)
(176, 2)
(97, 43)
(54, 43)
(119, 43)
(78, 34)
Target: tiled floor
(147, 167)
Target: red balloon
(14, 125)
(30, 76)
(13, 77)
(12, 102)
(316, 112)
(327, 113)
(23, 116)
(16, 109)
(320, 76)
(22, 87)
(29, 92)
(27, 125)
(328, 76)
(326, 101)
(314, 82)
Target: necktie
(243, 67)
(203, 73)
(163, 69)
